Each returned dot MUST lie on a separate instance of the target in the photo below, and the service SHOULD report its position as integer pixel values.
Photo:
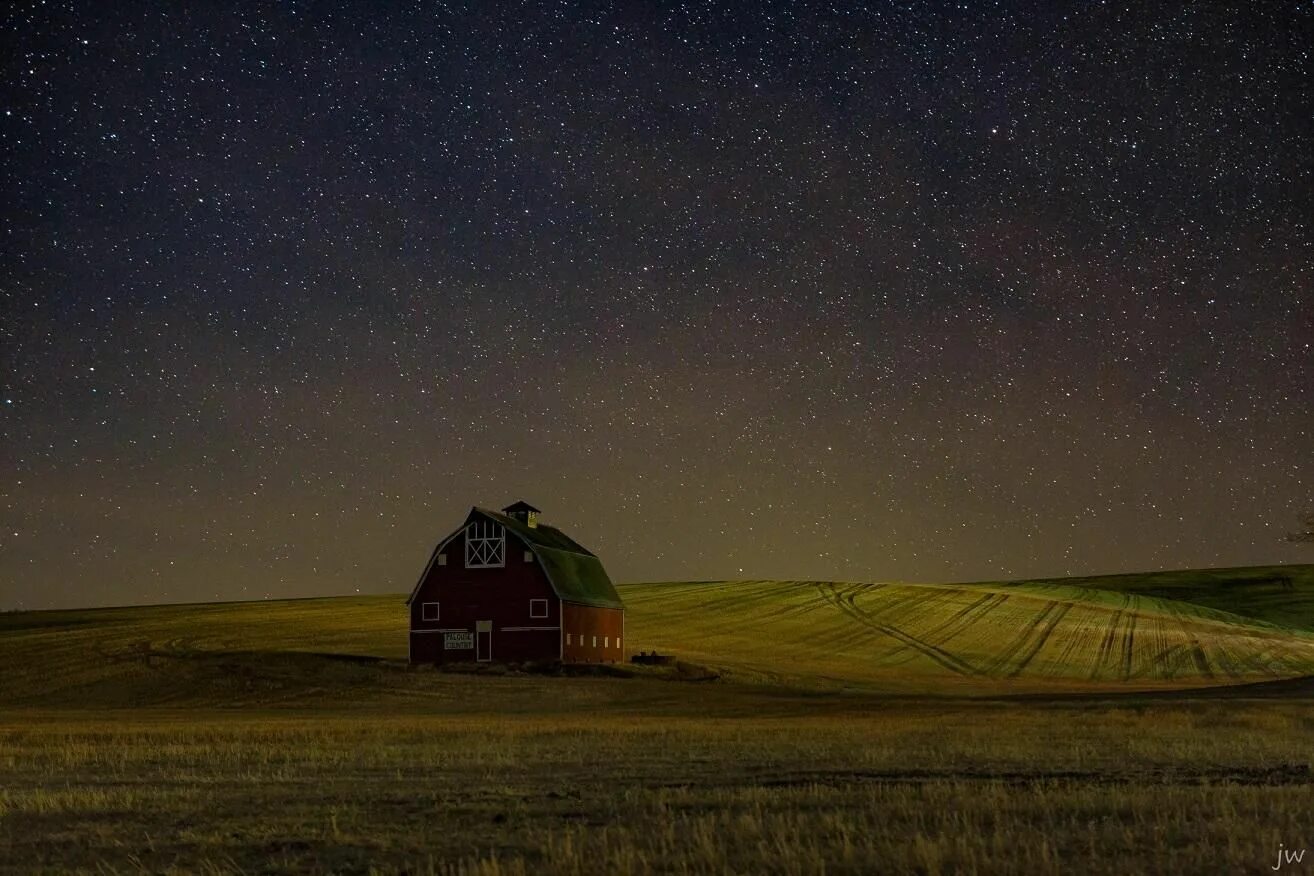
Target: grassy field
(1281, 595)
(977, 639)
(1191, 787)
(970, 639)
(1155, 723)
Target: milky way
(921, 293)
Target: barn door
(484, 641)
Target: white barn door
(483, 641)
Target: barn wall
(501, 595)
(583, 625)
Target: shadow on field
(174, 673)
(182, 673)
(1279, 775)
(677, 671)
(1301, 687)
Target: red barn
(505, 587)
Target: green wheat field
(1137, 723)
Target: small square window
(429, 611)
(529, 556)
(538, 608)
(442, 559)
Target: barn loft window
(429, 611)
(442, 559)
(485, 545)
(529, 557)
(538, 608)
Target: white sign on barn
(458, 641)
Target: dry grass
(975, 788)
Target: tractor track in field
(1129, 646)
(1074, 640)
(1106, 645)
(1167, 660)
(844, 601)
(1201, 660)
(1198, 655)
(965, 617)
(1004, 658)
(1038, 641)
(893, 606)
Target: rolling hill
(1041, 635)
(1281, 595)
(1145, 632)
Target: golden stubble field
(915, 786)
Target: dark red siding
(592, 635)
(500, 596)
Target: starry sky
(913, 291)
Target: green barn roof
(575, 573)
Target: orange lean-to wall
(592, 635)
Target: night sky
(922, 292)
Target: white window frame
(534, 603)
(485, 545)
(424, 611)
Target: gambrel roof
(576, 575)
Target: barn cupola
(524, 512)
